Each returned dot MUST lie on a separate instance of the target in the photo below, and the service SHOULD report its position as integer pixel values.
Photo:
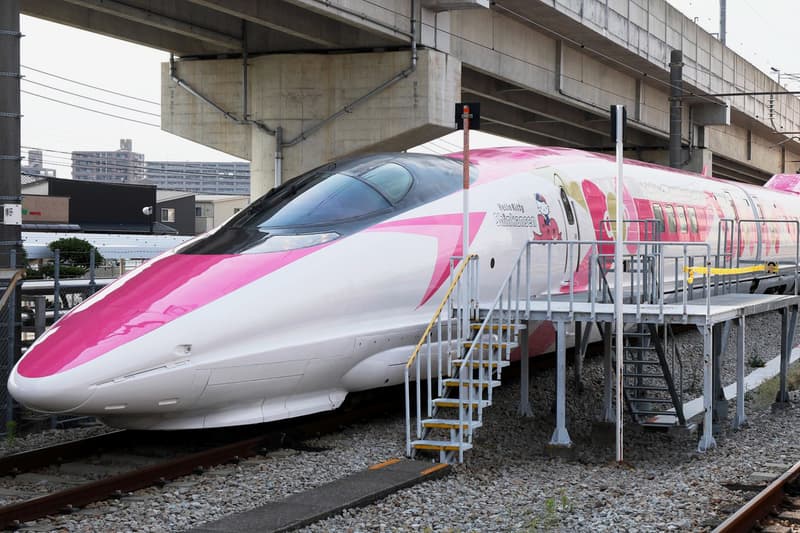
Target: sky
(762, 31)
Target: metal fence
(52, 285)
(10, 278)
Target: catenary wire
(91, 86)
(90, 109)
(105, 102)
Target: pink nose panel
(156, 294)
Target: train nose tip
(52, 394)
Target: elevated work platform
(469, 342)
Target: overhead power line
(91, 86)
(91, 110)
(105, 102)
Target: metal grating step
(650, 400)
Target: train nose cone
(52, 394)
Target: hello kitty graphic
(548, 227)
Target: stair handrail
(425, 338)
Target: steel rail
(18, 463)
(760, 506)
(273, 436)
(57, 502)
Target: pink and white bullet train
(323, 286)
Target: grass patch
(765, 394)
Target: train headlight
(282, 243)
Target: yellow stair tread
(440, 445)
(493, 364)
(447, 423)
(455, 402)
(504, 345)
(495, 327)
(454, 382)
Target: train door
(727, 230)
(762, 231)
(571, 233)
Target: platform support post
(560, 435)
(788, 323)
(581, 343)
(525, 374)
(740, 419)
(608, 375)
(720, 341)
(707, 439)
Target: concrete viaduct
(289, 84)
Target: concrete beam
(389, 18)
(528, 122)
(291, 20)
(156, 20)
(112, 26)
(298, 92)
(494, 89)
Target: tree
(74, 254)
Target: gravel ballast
(507, 482)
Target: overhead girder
(317, 29)
(526, 121)
(162, 21)
(214, 27)
(587, 128)
(113, 26)
(724, 168)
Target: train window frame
(671, 220)
(659, 215)
(682, 223)
(693, 225)
(393, 196)
(567, 207)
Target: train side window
(673, 225)
(693, 220)
(567, 207)
(682, 219)
(658, 213)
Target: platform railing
(793, 269)
(449, 328)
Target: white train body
(316, 291)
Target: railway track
(777, 507)
(66, 477)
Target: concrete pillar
(262, 162)
(297, 92)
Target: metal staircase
(651, 363)
(461, 356)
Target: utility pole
(675, 107)
(10, 188)
(722, 22)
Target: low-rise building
(211, 210)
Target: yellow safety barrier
(771, 268)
